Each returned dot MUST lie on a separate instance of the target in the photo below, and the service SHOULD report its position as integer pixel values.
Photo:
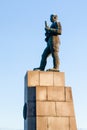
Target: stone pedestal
(48, 102)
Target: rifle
(45, 23)
(47, 33)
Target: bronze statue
(53, 43)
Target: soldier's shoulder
(57, 23)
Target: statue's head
(53, 18)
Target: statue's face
(53, 18)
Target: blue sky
(22, 43)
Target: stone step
(42, 78)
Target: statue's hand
(47, 28)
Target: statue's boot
(38, 69)
(53, 69)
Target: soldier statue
(53, 42)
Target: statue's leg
(45, 54)
(54, 50)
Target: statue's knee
(43, 56)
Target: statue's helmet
(54, 17)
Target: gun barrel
(45, 23)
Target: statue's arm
(57, 30)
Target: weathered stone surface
(31, 123)
(41, 93)
(45, 108)
(68, 94)
(36, 93)
(31, 109)
(42, 78)
(64, 109)
(25, 88)
(73, 123)
(55, 93)
(25, 93)
(25, 124)
(49, 102)
(58, 123)
(31, 94)
(58, 79)
(33, 78)
(46, 78)
(41, 123)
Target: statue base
(48, 102)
